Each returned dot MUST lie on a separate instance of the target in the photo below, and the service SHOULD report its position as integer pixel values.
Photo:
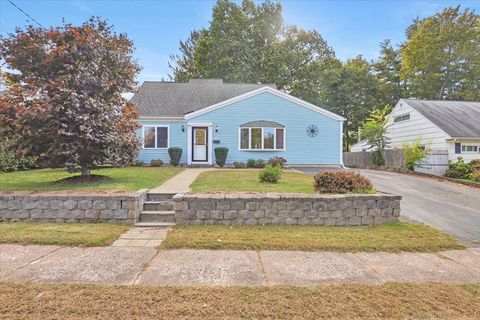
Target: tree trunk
(85, 171)
(347, 144)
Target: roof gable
(276, 92)
(459, 119)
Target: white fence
(436, 163)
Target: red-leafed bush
(277, 161)
(341, 182)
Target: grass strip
(65, 234)
(393, 237)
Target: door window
(200, 137)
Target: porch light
(183, 128)
(216, 128)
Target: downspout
(341, 145)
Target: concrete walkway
(142, 237)
(181, 182)
(142, 265)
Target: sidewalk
(181, 182)
(143, 265)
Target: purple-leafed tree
(64, 103)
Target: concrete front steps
(157, 211)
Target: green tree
(65, 104)
(387, 68)
(183, 64)
(374, 131)
(238, 46)
(352, 93)
(250, 43)
(441, 57)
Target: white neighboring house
(445, 125)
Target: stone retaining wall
(286, 209)
(112, 208)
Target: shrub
(251, 163)
(239, 165)
(139, 163)
(156, 163)
(377, 158)
(475, 165)
(341, 182)
(459, 169)
(259, 163)
(221, 156)
(277, 161)
(270, 174)
(414, 154)
(476, 176)
(175, 154)
(9, 161)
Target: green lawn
(347, 301)
(119, 179)
(66, 234)
(247, 180)
(387, 237)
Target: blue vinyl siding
(300, 148)
(177, 138)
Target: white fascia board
(173, 118)
(261, 90)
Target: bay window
(253, 136)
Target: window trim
(462, 145)
(156, 137)
(401, 116)
(262, 135)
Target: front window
(262, 138)
(244, 138)
(256, 138)
(149, 137)
(469, 148)
(268, 138)
(155, 137)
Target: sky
(156, 27)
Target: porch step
(154, 224)
(157, 216)
(165, 205)
(159, 196)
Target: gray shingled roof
(459, 119)
(156, 99)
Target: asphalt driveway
(451, 207)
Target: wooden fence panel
(393, 158)
(436, 163)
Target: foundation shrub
(341, 182)
(270, 174)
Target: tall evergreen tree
(388, 68)
(353, 94)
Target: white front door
(200, 144)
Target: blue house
(254, 121)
